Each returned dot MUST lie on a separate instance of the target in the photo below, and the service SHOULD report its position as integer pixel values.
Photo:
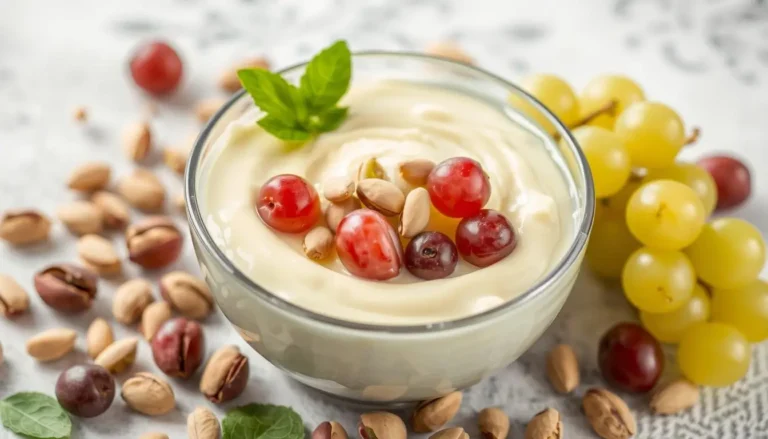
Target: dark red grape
(368, 246)
(458, 187)
(630, 358)
(732, 178)
(156, 68)
(178, 347)
(289, 204)
(431, 255)
(485, 238)
(85, 390)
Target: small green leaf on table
(35, 415)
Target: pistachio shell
(51, 344)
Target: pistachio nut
(381, 425)
(608, 414)
(51, 344)
(154, 242)
(203, 424)
(175, 159)
(225, 375)
(115, 213)
(119, 355)
(371, 168)
(153, 317)
(433, 414)
(329, 430)
(90, 177)
(335, 212)
(449, 50)
(451, 433)
(142, 190)
(493, 423)
(675, 397)
(415, 215)
(180, 203)
(14, 299)
(81, 217)
(416, 171)
(80, 114)
(22, 227)
(154, 435)
(187, 294)
(545, 425)
(563, 368)
(130, 300)
(67, 287)
(228, 80)
(178, 347)
(137, 141)
(338, 189)
(318, 243)
(98, 337)
(206, 108)
(381, 195)
(99, 254)
(148, 394)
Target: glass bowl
(393, 364)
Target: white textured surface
(707, 58)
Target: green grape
(658, 280)
(693, 176)
(729, 253)
(669, 327)
(744, 308)
(610, 245)
(555, 94)
(604, 89)
(665, 214)
(608, 159)
(652, 132)
(713, 354)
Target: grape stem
(694, 137)
(609, 107)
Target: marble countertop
(706, 58)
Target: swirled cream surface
(393, 122)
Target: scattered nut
(137, 141)
(381, 425)
(493, 423)
(67, 287)
(228, 80)
(371, 168)
(334, 213)
(318, 243)
(563, 368)
(148, 394)
(381, 195)
(119, 355)
(416, 171)
(451, 433)
(80, 114)
(22, 227)
(143, 190)
(203, 424)
(180, 203)
(675, 397)
(338, 189)
(329, 430)
(225, 375)
(81, 217)
(433, 414)
(153, 317)
(154, 242)
(115, 213)
(98, 254)
(449, 50)
(130, 300)
(178, 347)
(186, 293)
(206, 108)
(175, 159)
(608, 414)
(415, 215)
(51, 344)
(90, 177)
(14, 299)
(154, 436)
(545, 425)
(98, 337)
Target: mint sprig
(262, 421)
(297, 113)
(35, 415)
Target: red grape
(485, 238)
(156, 68)
(630, 358)
(368, 245)
(85, 390)
(288, 203)
(431, 255)
(732, 179)
(458, 187)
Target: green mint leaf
(35, 415)
(327, 77)
(282, 130)
(274, 95)
(262, 421)
(327, 120)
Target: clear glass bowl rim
(197, 225)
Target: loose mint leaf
(327, 77)
(327, 120)
(262, 421)
(283, 131)
(274, 95)
(35, 415)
